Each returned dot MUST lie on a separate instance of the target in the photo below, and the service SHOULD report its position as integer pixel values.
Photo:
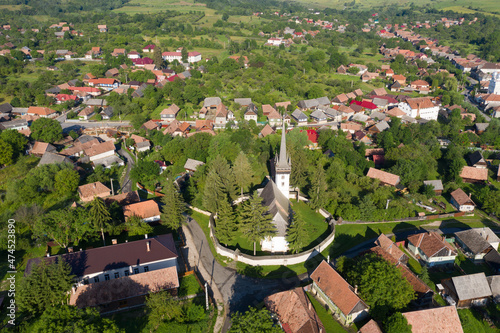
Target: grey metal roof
(360, 117)
(380, 101)
(53, 90)
(143, 144)
(85, 138)
(52, 158)
(319, 115)
(471, 286)
(251, 108)
(278, 204)
(192, 164)
(473, 241)
(299, 115)
(437, 184)
(108, 111)
(243, 101)
(187, 74)
(209, 101)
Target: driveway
(126, 184)
(236, 291)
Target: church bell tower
(283, 167)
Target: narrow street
(126, 185)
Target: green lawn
(188, 285)
(473, 322)
(331, 326)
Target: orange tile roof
(41, 111)
(336, 288)
(395, 112)
(41, 147)
(461, 197)
(418, 285)
(443, 320)
(144, 209)
(267, 109)
(385, 177)
(392, 249)
(370, 327)
(96, 189)
(474, 173)
(430, 243)
(420, 103)
(137, 138)
(172, 109)
(294, 309)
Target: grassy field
(473, 322)
(151, 6)
(188, 285)
(331, 326)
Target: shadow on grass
(345, 242)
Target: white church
(276, 195)
(494, 86)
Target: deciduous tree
(46, 130)
(253, 321)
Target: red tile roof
(443, 320)
(40, 111)
(365, 104)
(385, 177)
(474, 173)
(144, 209)
(430, 243)
(336, 288)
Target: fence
(408, 219)
(284, 259)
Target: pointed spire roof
(283, 160)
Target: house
(421, 86)
(243, 102)
(318, 116)
(385, 178)
(104, 83)
(379, 127)
(420, 107)
(101, 150)
(294, 311)
(489, 236)
(442, 319)
(494, 282)
(102, 28)
(395, 112)
(391, 249)
(274, 118)
(370, 327)
(53, 158)
(211, 102)
(251, 113)
(340, 99)
(191, 165)
(367, 76)
(123, 198)
(468, 290)
(337, 295)
(16, 124)
(148, 211)
(106, 113)
(437, 185)
(476, 160)
(143, 146)
(299, 117)
(41, 112)
(308, 104)
(431, 248)
(133, 55)
(88, 192)
(191, 58)
(149, 48)
(474, 175)
(118, 52)
(378, 92)
(151, 125)
(40, 148)
(284, 105)
(86, 113)
(266, 130)
(473, 244)
(267, 109)
(116, 261)
(5, 109)
(423, 292)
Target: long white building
(171, 56)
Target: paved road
(68, 125)
(238, 291)
(126, 186)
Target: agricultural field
(152, 6)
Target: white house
(461, 201)
(275, 41)
(171, 56)
(119, 260)
(431, 248)
(420, 107)
(251, 113)
(148, 211)
(101, 150)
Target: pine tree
(242, 171)
(220, 184)
(318, 188)
(99, 215)
(225, 225)
(297, 234)
(256, 222)
(173, 207)
(157, 57)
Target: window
(117, 275)
(106, 277)
(136, 270)
(283, 184)
(126, 273)
(96, 279)
(86, 281)
(146, 269)
(282, 177)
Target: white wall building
(420, 107)
(494, 86)
(171, 56)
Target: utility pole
(112, 190)
(206, 296)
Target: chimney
(48, 254)
(114, 241)
(310, 306)
(320, 330)
(356, 289)
(487, 236)
(148, 246)
(73, 290)
(146, 236)
(70, 249)
(94, 185)
(470, 194)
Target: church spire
(283, 159)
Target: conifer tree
(297, 234)
(225, 225)
(157, 57)
(255, 221)
(173, 207)
(242, 171)
(220, 184)
(318, 188)
(99, 215)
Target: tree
(242, 171)
(380, 284)
(16, 140)
(225, 225)
(162, 306)
(255, 221)
(99, 216)
(157, 57)
(397, 323)
(253, 321)
(318, 189)
(145, 172)
(68, 318)
(297, 234)
(66, 181)
(219, 185)
(47, 285)
(173, 207)
(184, 55)
(6, 153)
(46, 130)
(136, 226)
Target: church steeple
(283, 167)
